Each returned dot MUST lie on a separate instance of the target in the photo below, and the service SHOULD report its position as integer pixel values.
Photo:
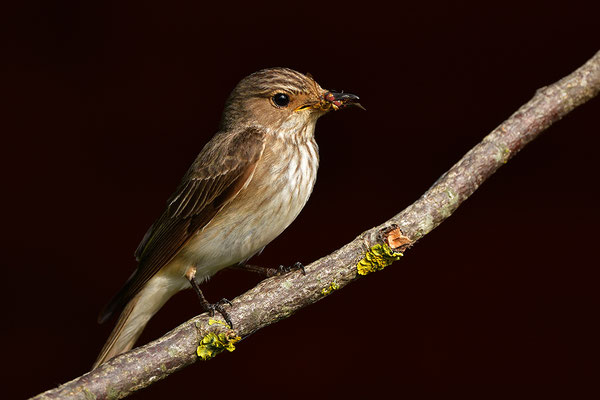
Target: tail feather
(134, 317)
(118, 301)
(119, 342)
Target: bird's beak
(333, 101)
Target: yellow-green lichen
(214, 321)
(503, 153)
(506, 155)
(112, 393)
(377, 258)
(212, 344)
(88, 394)
(334, 286)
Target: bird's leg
(269, 272)
(206, 306)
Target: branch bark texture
(279, 297)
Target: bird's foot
(218, 306)
(283, 269)
(206, 306)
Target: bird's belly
(247, 225)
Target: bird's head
(282, 101)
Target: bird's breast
(278, 190)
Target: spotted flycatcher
(246, 186)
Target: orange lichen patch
(396, 240)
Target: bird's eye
(281, 100)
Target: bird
(247, 185)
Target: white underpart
(247, 225)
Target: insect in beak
(339, 100)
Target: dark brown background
(107, 104)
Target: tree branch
(279, 297)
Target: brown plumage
(245, 187)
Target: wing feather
(217, 175)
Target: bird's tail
(134, 317)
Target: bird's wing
(221, 170)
